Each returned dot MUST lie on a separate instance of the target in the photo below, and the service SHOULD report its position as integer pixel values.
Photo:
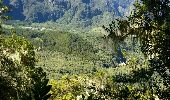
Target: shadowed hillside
(76, 13)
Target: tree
(3, 9)
(19, 78)
(118, 30)
(151, 21)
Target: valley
(84, 50)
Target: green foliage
(41, 87)
(149, 22)
(66, 88)
(100, 86)
(73, 60)
(152, 21)
(19, 78)
(61, 52)
(3, 9)
(61, 41)
(17, 69)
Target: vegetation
(19, 78)
(153, 30)
(149, 23)
(69, 13)
(126, 60)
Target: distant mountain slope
(75, 12)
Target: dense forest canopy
(125, 56)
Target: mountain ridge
(69, 12)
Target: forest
(85, 50)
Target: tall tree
(150, 21)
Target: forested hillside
(78, 13)
(84, 50)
